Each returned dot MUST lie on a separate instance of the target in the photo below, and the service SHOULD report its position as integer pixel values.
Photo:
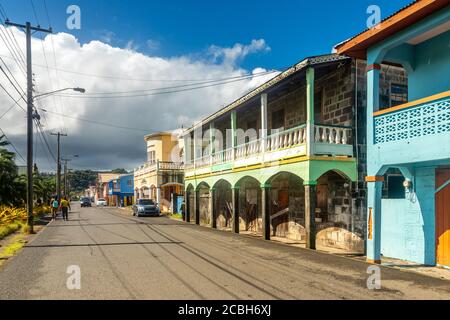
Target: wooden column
(235, 203)
(212, 206)
(265, 210)
(197, 207)
(187, 207)
(310, 217)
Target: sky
(125, 46)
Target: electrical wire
(13, 146)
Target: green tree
(8, 175)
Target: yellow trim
(373, 261)
(413, 103)
(374, 179)
(284, 161)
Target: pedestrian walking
(65, 206)
(55, 205)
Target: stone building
(287, 159)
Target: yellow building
(162, 176)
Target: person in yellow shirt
(65, 206)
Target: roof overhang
(308, 62)
(357, 46)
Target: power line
(12, 106)
(97, 122)
(13, 146)
(149, 94)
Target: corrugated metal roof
(310, 61)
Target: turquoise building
(408, 145)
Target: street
(122, 257)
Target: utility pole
(66, 172)
(28, 28)
(58, 164)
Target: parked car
(85, 202)
(101, 202)
(146, 207)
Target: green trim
(310, 183)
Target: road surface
(122, 257)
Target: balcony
(326, 140)
(416, 131)
(159, 166)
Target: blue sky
(293, 29)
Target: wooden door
(443, 217)
(281, 222)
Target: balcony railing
(415, 119)
(327, 139)
(159, 165)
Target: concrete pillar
(374, 192)
(158, 195)
(211, 142)
(212, 206)
(235, 204)
(197, 207)
(187, 148)
(265, 210)
(310, 217)
(310, 111)
(373, 101)
(187, 207)
(233, 133)
(264, 123)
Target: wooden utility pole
(58, 164)
(28, 29)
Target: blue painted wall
(408, 225)
(431, 67)
(127, 185)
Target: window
(393, 185)
(278, 119)
(130, 182)
(399, 94)
(151, 156)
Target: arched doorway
(223, 204)
(338, 224)
(250, 218)
(204, 203)
(287, 206)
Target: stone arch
(287, 205)
(338, 223)
(203, 197)
(250, 219)
(223, 203)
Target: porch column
(235, 204)
(158, 195)
(212, 139)
(265, 210)
(310, 111)
(264, 132)
(233, 133)
(187, 207)
(197, 149)
(187, 148)
(373, 101)
(374, 191)
(212, 206)
(197, 207)
(310, 217)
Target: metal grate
(423, 120)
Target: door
(280, 219)
(443, 217)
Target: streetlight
(77, 89)
(31, 99)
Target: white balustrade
(287, 139)
(332, 134)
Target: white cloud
(103, 147)
(235, 54)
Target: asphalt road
(122, 257)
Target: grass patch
(177, 216)
(6, 230)
(17, 244)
